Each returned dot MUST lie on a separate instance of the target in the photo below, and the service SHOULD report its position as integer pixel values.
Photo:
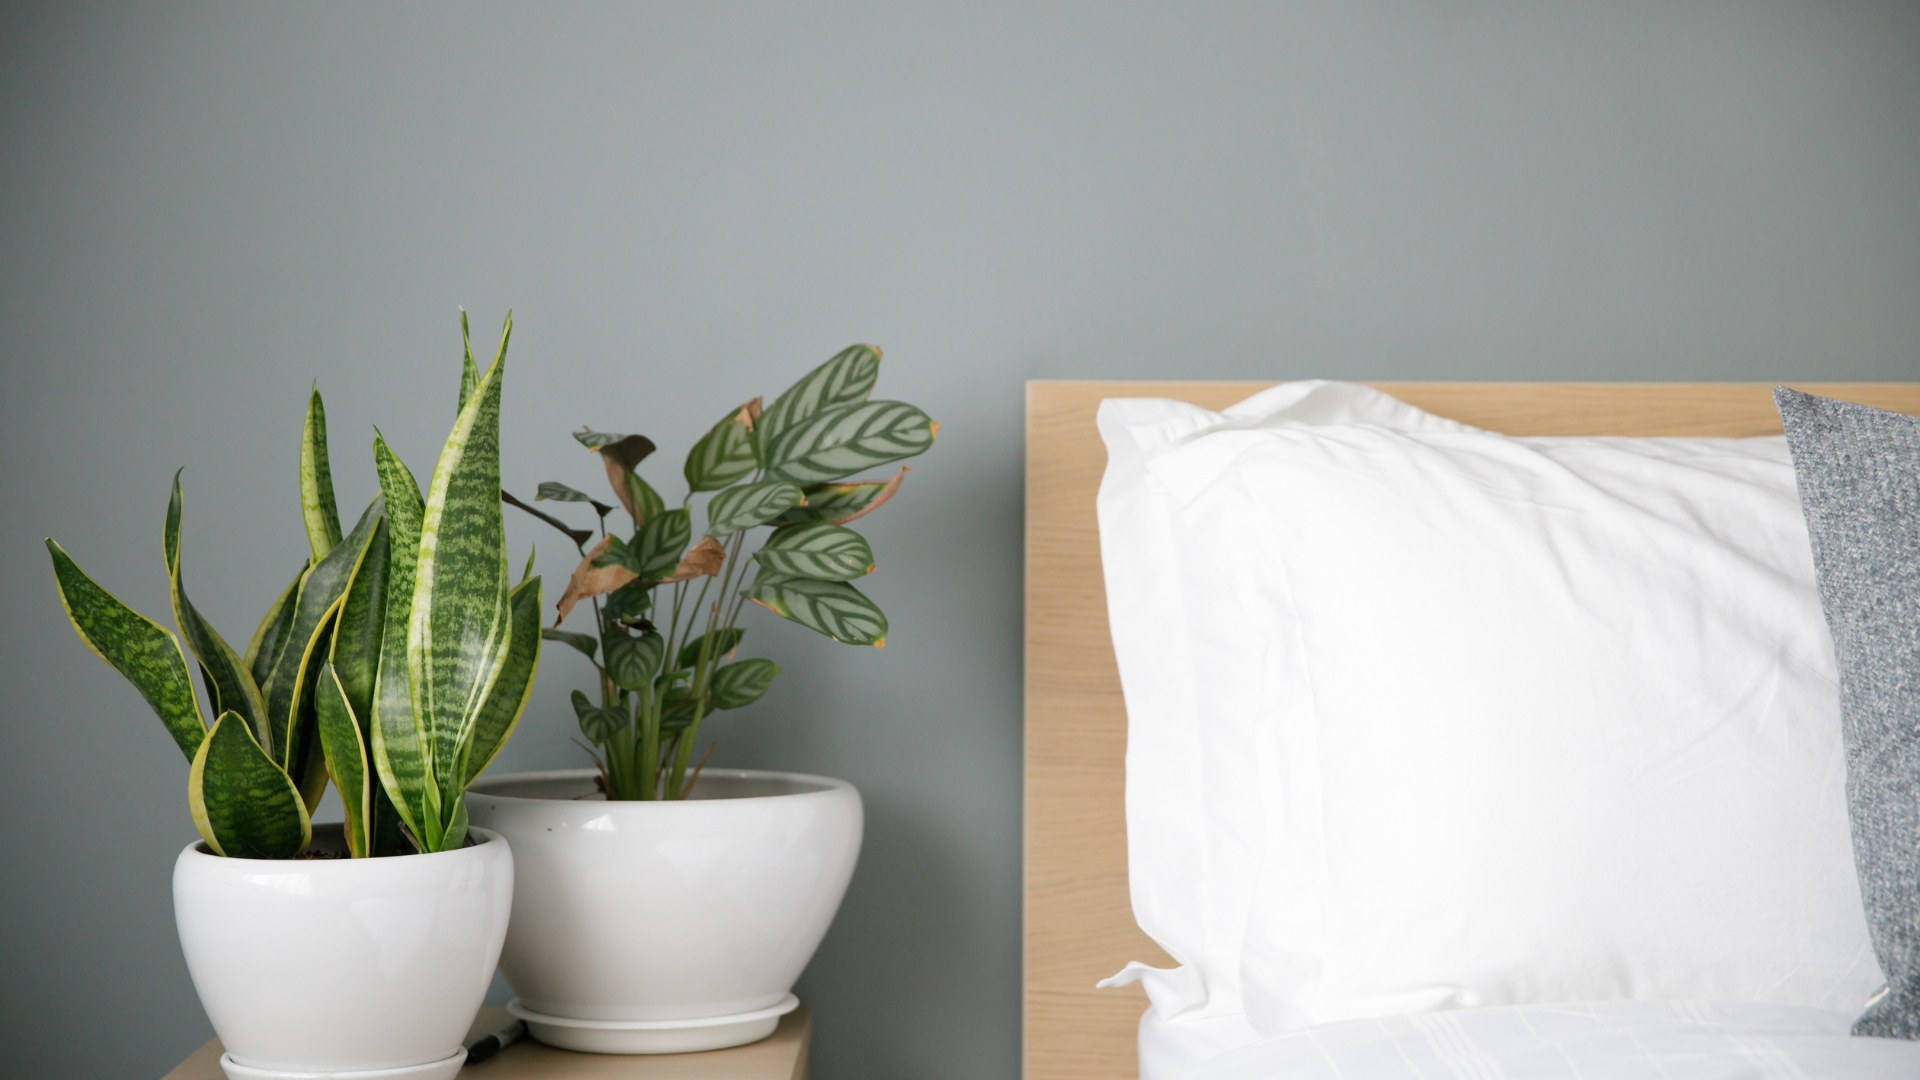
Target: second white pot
(628, 916)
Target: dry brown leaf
(886, 493)
(617, 479)
(749, 414)
(589, 580)
(705, 560)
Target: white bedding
(1610, 1040)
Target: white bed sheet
(1611, 1040)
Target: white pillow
(1506, 720)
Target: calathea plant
(662, 657)
(396, 662)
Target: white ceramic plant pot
(664, 927)
(369, 968)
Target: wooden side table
(780, 1056)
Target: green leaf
(135, 645)
(632, 447)
(586, 643)
(399, 741)
(507, 700)
(741, 684)
(289, 690)
(748, 505)
(632, 660)
(459, 630)
(723, 455)
(243, 804)
(657, 547)
(554, 491)
(846, 379)
(578, 536)
(317, 507)
(272, 631)
(817, 549)
(645, 499)
(596, 723)
(676, 712)
(230, 685)
(833, 608)
(628, 603)
(469, 371)
(725, 640)
(346, 753)
(360, 627)
(845, 440)
(841, 503)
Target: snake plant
(661, 661)
(396, 662)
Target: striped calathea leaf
(664, 661)
(397, 662)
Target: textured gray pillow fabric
(1859, 475)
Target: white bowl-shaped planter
(663, 927)
(347, 966)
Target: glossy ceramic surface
(654, 1036)
(342, 965)
(702, 908)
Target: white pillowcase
(1424, 717)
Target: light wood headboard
(1079, 920)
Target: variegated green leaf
(833, 608)
(657, 547)
(135, 645)
(722, 456)
(289, 691)
(586, 643)
(725, 640)
(469, 371)
(646, 500)
(346, 754)
(748, 505)
(399, 739)
(596, 723)
(272, 630)
(554, 491)
(632, 660)
(817, 549)
(846, 379)
(453, 831)
(317, 506)
(740, 684)
(841, 503)
(507, 700)
(677, 711)
(845, 440)
(628, 603)
(230, 685)
(243, 804)
(361, 625)
(459, 629)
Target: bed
(1079, 922)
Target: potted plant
(396, 662)
(663, 907)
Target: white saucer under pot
(352, 968)
(684, 924)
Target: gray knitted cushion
(1859, 475)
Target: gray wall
(203, 208)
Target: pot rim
(198, 850)
(827, 785)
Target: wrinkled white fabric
(1422, 717)
(1610, 1040)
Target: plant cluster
(397, 661)
(665, 608)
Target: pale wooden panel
(780, 1056)
(1079, 922)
